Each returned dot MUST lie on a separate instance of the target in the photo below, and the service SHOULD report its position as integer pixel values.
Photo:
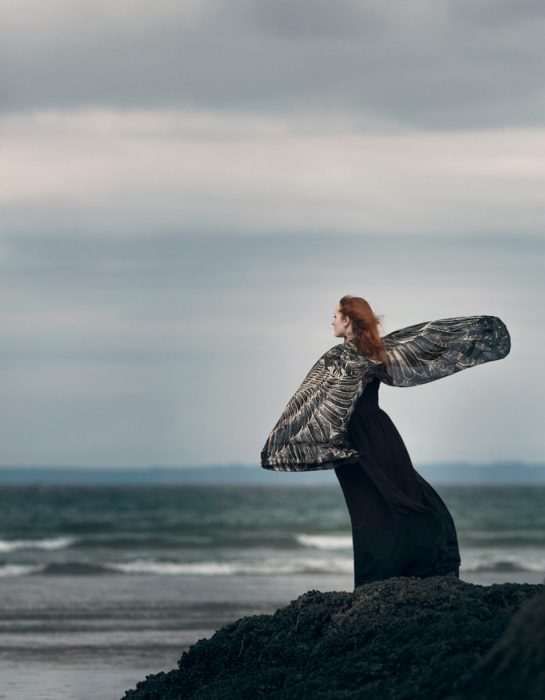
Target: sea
(102, 585)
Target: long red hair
(365, 325)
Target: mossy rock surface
(515, 666)
(401, 638)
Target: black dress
(400, 525)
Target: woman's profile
(400, 525)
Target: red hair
(365, 325)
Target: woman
(400, 525)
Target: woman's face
(340, 323)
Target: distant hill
(441, 473)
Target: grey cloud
(437, 65)
(137, 172)
(497, 12)
(312, 18)
(269, 277)
(202, 261)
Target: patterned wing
(310, 433)
(428, 351)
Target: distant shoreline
(456, 473)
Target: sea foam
(325, 541)
(45, 543)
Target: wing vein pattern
(311, 432)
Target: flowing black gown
(400, 525)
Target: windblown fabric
(311, 433)
(428, 351)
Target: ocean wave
(503, 567)
(48, 543)
(19, 569)
(139, 541)
(325, 541)
(267, 567)
(73, 568)
(224, 540)
(504, 563)
(495, 539)
(522, 534)
(212, 568)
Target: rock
(403, 637)
(515, 666)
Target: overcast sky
(188, 188)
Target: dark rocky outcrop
(515, 666)
(403, 637)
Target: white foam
(325, 541)
(45, 543)
(19, 569)
(211, 568)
